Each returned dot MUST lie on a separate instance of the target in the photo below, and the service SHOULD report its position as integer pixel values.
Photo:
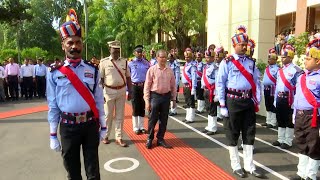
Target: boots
(135, 124)
(234, 157)
(312, 169)
(212, 125)
(192, 115)
(187, 115)
(281, 137)
(288, 138)
(200, 106)
(302, 165)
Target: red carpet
(24, 111)
(181, 162)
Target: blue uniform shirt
(190, 70)
(313, 84)
(138, 69)
(229, 76)
(273, 71)
(211, 71)
(200, 66)
(175, 66)
(153, 61)
(63, 97)
(40, 70)
(291, 72)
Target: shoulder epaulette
(91, 64)
(106, 58)
(54, 67)
(298, 69)
(229, 58)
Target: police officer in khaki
(115, 77)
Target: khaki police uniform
(114, 91)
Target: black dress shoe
(143, 131)
(185, 106)
(240, 148)
(240, 173)
(257, 174)
(285, 146)
(204, 131)
(163, 144)
(270, 126)
(219, 119)
(137, 132)
(149, 144)
(211, 133)
(264, 124)
(308, 178)
(199, 112)
(296, 177)
(276, 143)
(188, 122)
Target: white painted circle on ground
(109, 168)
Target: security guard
(208, 83)
(283, 99)
(76, 103)
(306, 105)
(138, 68)
(189, 81)
(115, 76)
(219, 56)
(175, 66)
(199, 93)
(238, 89)
(269, 83)
(153, 60)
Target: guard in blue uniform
(306, 114)
(153, 60)
(189, 81)
(208, 82)
(219, 56)
(238, 89)
(138, 69)
(269, 83)
(175, 66)
(283, 99)
(200, 97)
(76, 103)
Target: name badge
(61, 77)
(88, 75)
(312, 82)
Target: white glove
(274, 103)
(216, 99)
(55, 144)
(102, 134)
(293, 118)
(224, 111)
(193, 91)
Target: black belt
(158, 94)
(283, 94)
(247, 94)
(115, 87)
(138, 84)
(77, 118)
(306, 112)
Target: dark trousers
(73, 136)
(138, 104)
(41, 85)
(159, 111)
(284, 113)
(13, 86)
(212, 106)
(188, 97)
(6, 89)
(242, 118)
(199, 91)
(307, 137)
(28, 86)
(268, 101)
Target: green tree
(5, 54)
(34, 53)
